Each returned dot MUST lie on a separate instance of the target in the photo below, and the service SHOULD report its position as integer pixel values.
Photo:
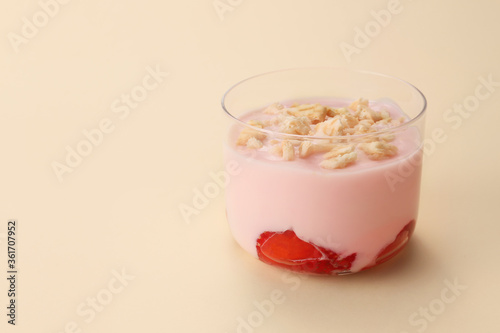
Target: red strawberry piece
(286, 250)
(398, 244)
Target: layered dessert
(316, 191)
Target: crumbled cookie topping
(340, 161)
(378, 150)
(254, 143)
(323, 121)
(316, 113)
(295, 125)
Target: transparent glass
(292, 213)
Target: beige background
(118, 210)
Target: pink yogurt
(359, 209)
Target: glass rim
(336, 137)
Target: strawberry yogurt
(327, 185)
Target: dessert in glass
(329, 164)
